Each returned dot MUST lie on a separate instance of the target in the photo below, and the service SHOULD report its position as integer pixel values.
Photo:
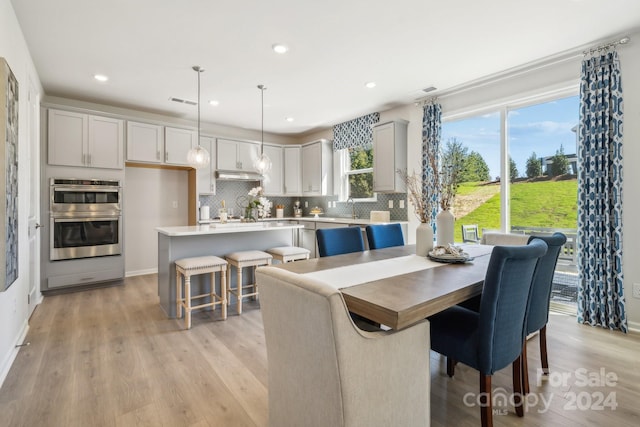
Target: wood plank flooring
(110, 357)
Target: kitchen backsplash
(231, 191)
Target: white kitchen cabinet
(235, 155)
(145, 142)
(77, 139)
(292, 171)
(177, 143)
(389, 156)
(205, 178)
(272, 182)
(317, 168)
(307, 237)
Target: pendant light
(198, 157)
(262, 163)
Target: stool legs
(187, 293)
(223, 292)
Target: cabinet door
(177, 143)
(227, 154)
(311, 169)
(307, 240)
(248, 153)
(272, 182)
(206, 182)
(383, 158)
(106, 143)
(292, 173)
(68, 133)
(144, 142)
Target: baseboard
(633, 326)
(140, 272)
(11, 356)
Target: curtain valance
(355, 133)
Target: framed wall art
(8, 175)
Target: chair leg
(525, 369)
(543, 350)
(451, 367)
(517, 386)
(486, 416)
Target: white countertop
(335, 220)
(230, 227)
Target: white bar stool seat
(188, 267)
(289, 253)
(241, 260)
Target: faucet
(353, 207)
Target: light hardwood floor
(110, 357)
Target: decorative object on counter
(255, 205)
(279, 211)
(424, 204)
(198, 157)
(297, 210)
(315, 211)
(262, 163)
(449, 254)
(204, 213)
(222, 213)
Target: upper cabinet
(292, 171)
(389, 156)
(145, 142)
(205, 178)
(236, 155)
(76, 139)
(272, 182)
(177, 143)
(317, 168)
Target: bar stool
(289, 253)
(240, 260)
(188, 267)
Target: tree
(453, 156)
(513, 169)
(534, 168)
(560, 164)
(475, 168)
(361, 185)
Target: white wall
(13, 301)
(150, 198)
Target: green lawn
(533, 204)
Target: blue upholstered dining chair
(491, 339)
(538, 314)
(342, 240)
(384, 235)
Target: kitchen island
(213, 239)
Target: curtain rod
(605, 46)
(519, 70)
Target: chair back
(503, 306)
(324, 371)
(384, 235)
(538, 315)
(470, 233)
(337, 241)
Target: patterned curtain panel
(431, 132)
(600, 296)
(355, 133)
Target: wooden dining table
(399, 299)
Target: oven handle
(84, 218)
(89, 187)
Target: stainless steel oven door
(85, 237)
(67, 198)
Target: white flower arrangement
(259, 202)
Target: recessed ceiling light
(289, 119)
(370, 85)
(280, 48)
(214, 103)
(101, 77)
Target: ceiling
(147, 49)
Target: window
(356, 174)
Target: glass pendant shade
(262, 164)
(198, 157)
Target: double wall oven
(85, 218)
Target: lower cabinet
(307, 237)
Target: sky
(539, 128)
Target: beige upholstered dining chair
(324, 371)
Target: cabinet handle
(166, 156)
(157, 154)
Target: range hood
(238, 176)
